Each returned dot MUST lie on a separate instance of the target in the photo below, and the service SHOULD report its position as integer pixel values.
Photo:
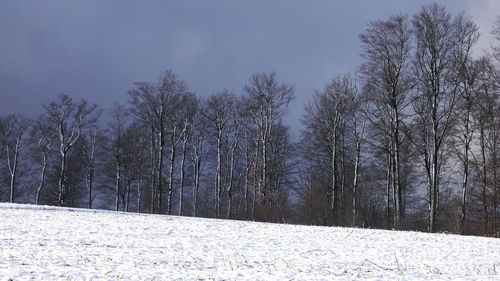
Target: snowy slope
(48, 243)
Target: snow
(50, 243)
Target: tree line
(408, 141)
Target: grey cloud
(97, 49)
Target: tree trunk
(247, 175)
(90, 187)
(396, 174)
(197, 169)
(196, 186)
(42, 179)
(218, 177)
(434, 163)
(127, 204)
(62, 179)
(464, 189)
(117, 183)
(13, 170)
(171, 177)
(495, 184)
(139, 195)
(388, 191)
(342, 183)
(465, 171)
(256, 185)
(333, 202)
(434, 192)
(181, 192)
(153, 173)
(355, 181)
(159, 175)
(264, 187)
(230, 186)
(484, 177)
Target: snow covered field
(48, 243)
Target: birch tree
(44, 138)
(437, 36)
(153, 104)
(179, 123)
(16, 137)
(358, 116)
(68, 119)
(266, 103)
(198, 143)
(325, 122)
(468, 77)
(486, 122)
(218, 113)
(233, 145)
(385, 71)
(188, 112)
(90, 161)
(133, 162)
(116, 130)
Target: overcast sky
(96, 49)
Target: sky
(96, 50)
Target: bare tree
(141, 161)
(179, 123)
(198, 140)
(187, 116)
(89, 161)
(385, 72)
(218, 113)
(486, 122)
(15, 136)
(117, 126)
(325, 122)
(280, 173)
(44, 139)
(358, 111)
(438, 37)
(233, 145)
(133, 164)
(266, 103)
(468, 78)
(143, 106)
(68, 119)
(249, 144)
(153, 104)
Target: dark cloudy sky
(96, 49)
